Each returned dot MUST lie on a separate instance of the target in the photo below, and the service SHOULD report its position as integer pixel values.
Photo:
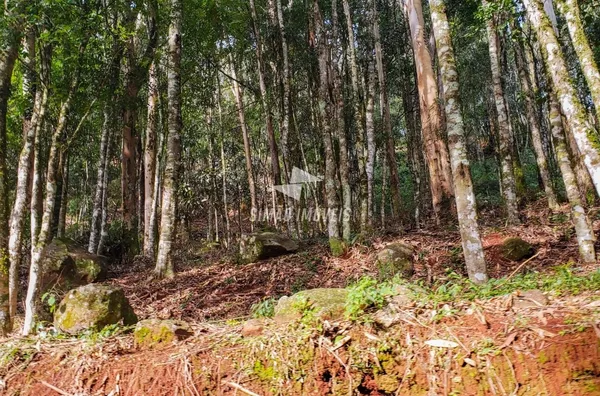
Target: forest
(281, 197)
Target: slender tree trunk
(8, 54)
(572, 108)
(239, 100)
(18, 213)
(370, 129)
(150, 156)
(164, 260)
(570, 11)
(436, 152)
(285, 124)
(265, 101)
(508, 182)
(327, 107)
(390, 146)
(534, 127)
(463, 186)
(45, 235)
(64, 198)
(583, 226)
(136, 72)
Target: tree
(436, 152)
(571, 106)
(509, 186)
(164, 260)
(461, 173)
(9, 49)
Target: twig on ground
(240, 388)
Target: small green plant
(264, 308)
(49, 298)
(364, 294)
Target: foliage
(264, 308)
(367, 293)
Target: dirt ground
(496, 349)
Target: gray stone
(263, 245)
(395, 259)
(323, 303)
(151, 333)
(92, 307)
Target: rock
(515, 249)
(92, 307)
(260, 246)
(395, 259)
(529, 299)
(325, 304)
(152, 333)
(64, 266)
(387, 383)
(252, 328)
(393, 313)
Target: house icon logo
(297, 181)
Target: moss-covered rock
(65, 265)
(92, 307)
(260, 246)
(151, 333)
(395, 259)
(515, 249)
(321, 303)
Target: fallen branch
(55, 389)
(240, 388)
(517, 270)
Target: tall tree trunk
(64, 198)
(136, 72)
(572, 108)
(18, 213)
(9, 50)
(570, 11)
(336, 64)
(327, 105)
(265, 101)
(370, 131)
(359, 118)
(45, 235)
(583, 226)
(108, 126)
(390, 147)
(436, 152)
(534, 126)
(239, 101)
(150, 156)
(164, 260)
(507, 179)
(463, 186)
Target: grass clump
(365, 294)
(263, 309)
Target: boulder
(152, 333)
(515, 249)
(395, 310)
(253, 328)
(65, 266)
(92, 307)
(263, 245)
(325, 304)
(395, 259)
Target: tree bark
(583, 226)
(371, 148)
(390, 146)
(463, 185)
(572, 108)
(570, 11)
(8, 54)
(150, 156)
(239, 101)
(164, 260)
(18, 213)
(136, 72)
(534, 127)
(265, 101)
(507, 172)
(436, 152)
(327, 108)
(45, 235)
